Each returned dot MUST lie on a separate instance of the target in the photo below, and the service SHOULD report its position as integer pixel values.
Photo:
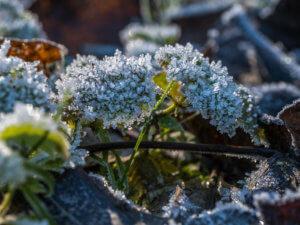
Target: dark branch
(238, 151)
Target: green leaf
(29, 136)
(169, 122)
(38, 206)
(161, 80)
(35, 186)
(42, 175)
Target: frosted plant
(25, 126)
(210, 90)
(12, 169)
(160, 34)
(140, 39)
(20, 81)
(16, 22)
(117, 90)
(139, 46)
(77, 157)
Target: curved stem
(136, 147)
(6, 201)
(105, 138)
(197, 148)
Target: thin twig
(213, 182)
(198, 148)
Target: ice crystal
(230, 213)
(116, 90)
(117, 194)
(274, 198)
(210, 90)
(16, 22)
(11, 167)
(160, 34)
(179, 205)
(20, 81)
(78, 155)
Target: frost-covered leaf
(279, 209)
(276, 174)
(209, 89)
(82, 199)
(271, 98)
(17, 22)
(229, 214)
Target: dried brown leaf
(44, 51)
(291, 117)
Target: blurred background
(93, 26)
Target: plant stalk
(145, 127)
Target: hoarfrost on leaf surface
(160, 34)
(17, 22)
(21, 82)
(117, 90)
(210, 90)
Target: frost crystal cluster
(117, 90)
(11, 167)
(140, 39)
(20, 81)
(16, 22)
(208, 88)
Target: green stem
(169, 109)
(6, 201)
(145, 127)
(145, 9)
(37, 205)
(105, 138)
(110, 172)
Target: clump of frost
(117, 90)
(160, 34)
(21, 82)
(210, 90)
(274, 198)
(12, 169)
(17, 22)
(117, 194)
(179, 205)
(229, 213)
